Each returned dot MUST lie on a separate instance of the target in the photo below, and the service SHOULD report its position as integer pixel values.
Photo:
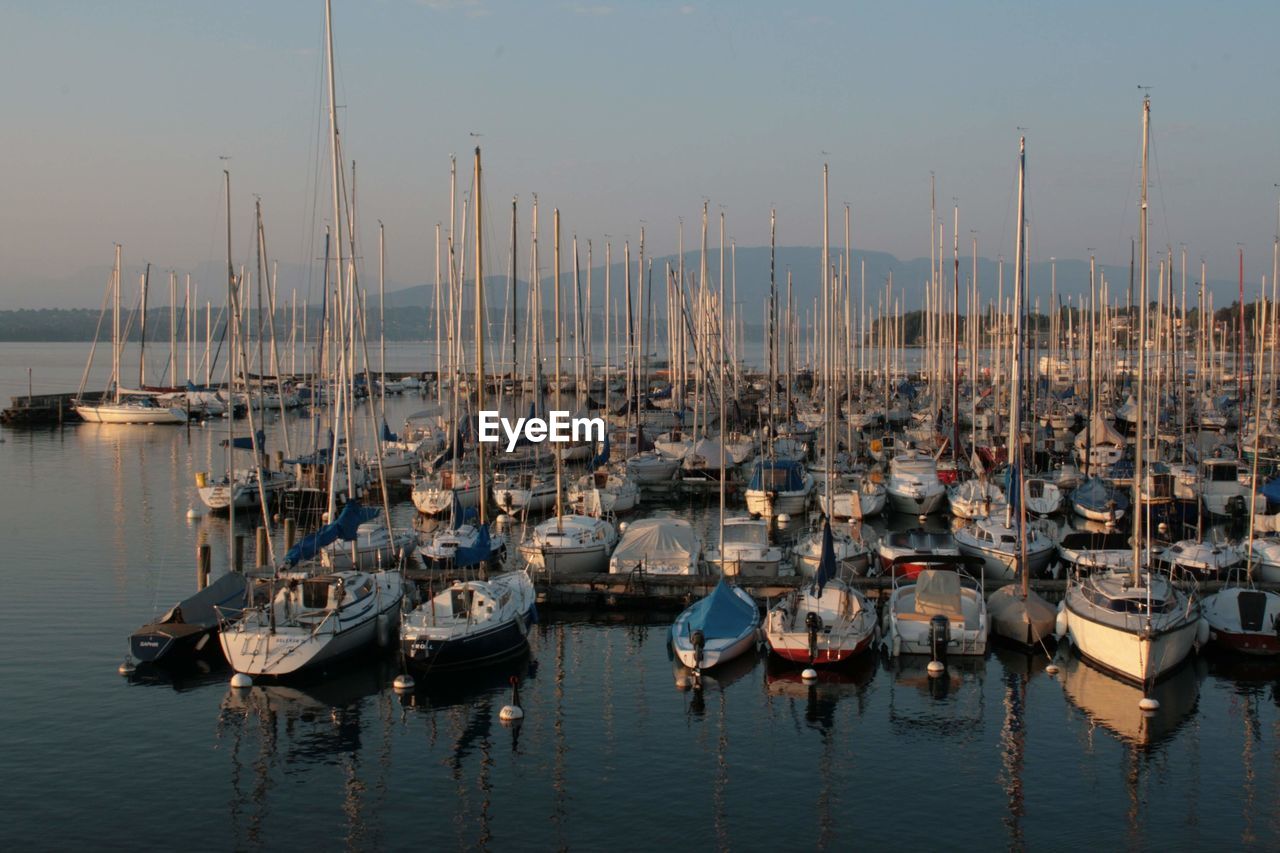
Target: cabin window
(315, 595)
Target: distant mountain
(411, 313)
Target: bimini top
(779, 475)
(664, 539)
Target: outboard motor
(698, 641)
(939, 636)
(813, 622)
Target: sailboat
(569, 543)
(313, 618)
(716, 629)
(470, 623)
(244, 487)
(467, 539)
(1011, 548)
(1135, 623)
(825, 622)
(122, 409)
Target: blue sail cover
(1013, 488)
(722, 615)
(459, 514)
(779, 475)
(603, 457)
(827, 561)
(344, 528)
(475, 554)
(387, 434)
(449, 452)
(1271, 491)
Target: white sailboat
(1135, 622)
(122, 409)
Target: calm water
(610, 754)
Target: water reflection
(1112, 704)
(821, 695)
(719, 679)
(282, 728)
(949, 705)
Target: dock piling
(204, 559)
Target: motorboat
(186, 629)
(1221, 492)
(916, 542)
(1245, 620)
(746, 550)
(913, 485)
(943, 611)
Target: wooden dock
(640, 591)
(41, 410)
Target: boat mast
(337, 238)
(555, 229)
(773, 330)
(1139, 432)
(115, 326)
(475, 203)
(955, 339)
(1015, 374)
(517, 386)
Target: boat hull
(1126, 653)
(495, 644)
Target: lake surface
(611, 754)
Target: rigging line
(1159, 185)
(307, 241)
(1135, 167)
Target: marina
(550, 525)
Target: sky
(627, 115)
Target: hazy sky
(620, 113)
